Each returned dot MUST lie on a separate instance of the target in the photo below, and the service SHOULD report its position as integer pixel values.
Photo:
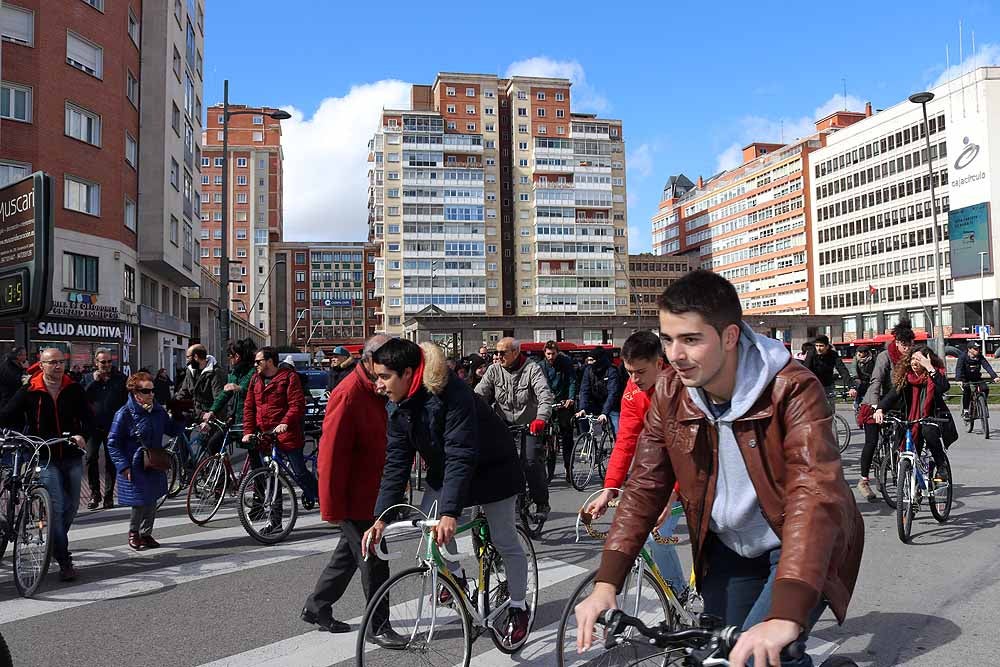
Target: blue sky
(691, 81)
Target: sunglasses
(143, 390)
(258, 361)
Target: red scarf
(894, 354)
(418, 377)
(921, 397)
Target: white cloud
(326, 162)
(640, 161)
(988, 54)
(584, 97)
(775, 130)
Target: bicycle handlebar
(923, 421)
(408, 524)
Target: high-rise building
(489, 197)
(751, 224)
(169, 178)
(255, 204)
(323, 294)
(649, 275)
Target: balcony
(550, 185)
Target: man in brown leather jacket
(747, 436)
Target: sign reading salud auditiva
(25, 248)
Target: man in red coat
(350, 461)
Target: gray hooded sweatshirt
(736, 515)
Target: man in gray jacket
(519, 392)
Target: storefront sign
(969, 235)
(84, 309)
(25, 248)
(80, 330)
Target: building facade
(255, 167)
(875, 213)
(323, 294)
(489, 197)
(649, 274)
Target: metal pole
(982, 296)
(939, 323)
(224, 261)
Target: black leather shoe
(389, 639)
(324, 622)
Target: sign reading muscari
(969, 235)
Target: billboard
(969, 235)
(25, 248)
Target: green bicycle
(428, 605)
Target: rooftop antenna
(947, 66)
(782, 130)
(975, 75)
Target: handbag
(155, 459)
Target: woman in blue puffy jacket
(140, 423)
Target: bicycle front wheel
(498, 593)
(175, 476)
(583, 463)
(940, 494)
(905, 500)
(642, 598)
(33, 542)
(984, 415)
(842, 430)
(268, 507)
(436, 635)
(207, 490)
(887, 477)
(552, 454)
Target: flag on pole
(872, 290)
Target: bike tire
(970, 418)
(34, 525)
(634, 650)
(843, 432)
(530, 521)
(5, 528)
(888, 477)
(583, 463)
(941, 507)
(904, 501)
(175, 477)
(551, 455)
(416, 651)
(207, 490)
(497, 593)
(262, 498)
(984, 415)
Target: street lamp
(224, 261)
(922, 99)
(982, 295)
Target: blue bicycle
(268, 506)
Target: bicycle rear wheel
(645, 600)
(438, 635)
(498, 593)
(842, 430)
(970, 417)
(5, 528)
(33, 541)
(583, 463)
(984, 415)
(905, 502)
(207, 490)
(268, 507)
(941, 494)
(531, 521)
(888, 477)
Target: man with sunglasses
(203, 382)
(106, 393)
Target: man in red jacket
(350, 461)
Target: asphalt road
(212, 596)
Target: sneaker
(865, 489)
(135, 541)
(307, 505)
(67, 572)
(149, 542)
(94, 504)
(517, 625)
(324, 622)
(965, 414)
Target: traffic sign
(26, 248)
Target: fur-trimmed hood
(435, 368)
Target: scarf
(418, 378)
(921, 397)
(894, 354)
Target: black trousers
(93, 467)
(566, 430)
(346, 559)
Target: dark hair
(551, 345)
(903, 332)
(706, 293)
(269, 352)
(398, 354)
(642, 345)
(244, 349)
(199, 351)
(902, 367)
(807, 347)
(822, 339)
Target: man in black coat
(824, 361)
(470, 457)
(106, 393)
(12, 373)
(341, 365)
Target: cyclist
(203, 382)
(470, 457)
(519, 393)
(642, 356)
(230, 400)
(881, 383)
(601, 388)
(970, 368)
(561, 376)
(746, 435)
(864, 365)
(823, 361)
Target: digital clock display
(13, 293)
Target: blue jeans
(738, 590)
(303, 477)
(665, 556)
(61, 478)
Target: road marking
(151, 580)
(119, 528)
(318, 649)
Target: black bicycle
(978, 408)
(591, 451)
(527, 509)
(706, 644)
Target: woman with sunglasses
(140, 424)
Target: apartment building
(255, 167)
(751, 224)
(649, 274)
(875, 213)
(489, 197)
(323, 294)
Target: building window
(131, 150)
(175, 119)
(133, 27)
(15, 102)
(174, 231)
(128, 283)
(260, 236)
(241, 235)
(129, 214)
(82, 196)
(470, 92)
(241, 180)
(83, 125)
(79, 272)
(241, 162)
(204, 252)
(540, 112)
(84, 55)
(258, 120)
(11, 172)
(258, 136)
(216, 252)
(449, 91)
(132, 88)
(17, 25)
(241, 252)
(300, 276)
(175, 174)
(241, 198)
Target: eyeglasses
(505, 351)
(54, 362)
(258, 361)
(143, 390)
(102, 363)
